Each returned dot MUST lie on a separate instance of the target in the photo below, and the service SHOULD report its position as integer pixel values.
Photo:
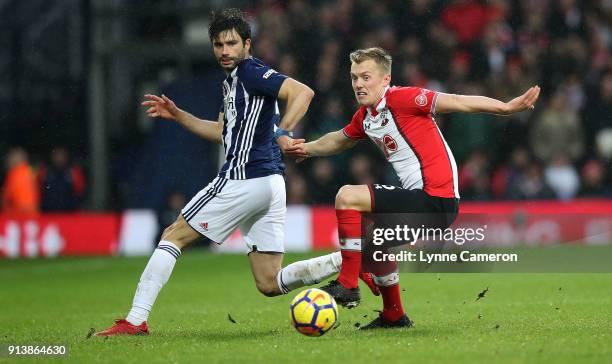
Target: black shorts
(394, 207)
(387, 199)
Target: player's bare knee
(167, 232)
(266, 283)
(178, 234)
(345, 198)
(268, 288)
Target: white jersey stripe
(230, 116)
(237, 162)
(246, 102)
(234, 159)
(250, 134)
(243, 128)
(407, 165)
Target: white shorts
(256, 206)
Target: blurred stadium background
(84, 164)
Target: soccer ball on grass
(313, 312)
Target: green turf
(554, 318)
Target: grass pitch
(560, 318)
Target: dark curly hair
(228, 19)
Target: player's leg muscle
(265, 267)
(354, 197)
(180, 233)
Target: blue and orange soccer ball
(313, 312)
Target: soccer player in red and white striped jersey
(400, 121)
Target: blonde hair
(377, 54)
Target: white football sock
(388, 280)
(155, 275)
(307, 272)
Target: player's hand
(523, 102)
(161, 107)
(299, 152)
(288, 144)
(292, 147)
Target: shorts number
(386, 187)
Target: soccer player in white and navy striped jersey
(249, 191)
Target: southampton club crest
(383, 116)
(387, 144)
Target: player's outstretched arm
(163, 107)
(473, 104)
(298, 97)
(329, 144)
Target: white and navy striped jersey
(251, 115)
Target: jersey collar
(380, 104)
(235, 70)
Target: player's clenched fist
(161, 107)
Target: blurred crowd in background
(498, 48)
(55, 185)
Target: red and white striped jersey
(403, 127)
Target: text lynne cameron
(463, 256)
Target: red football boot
(122, 327)
(367, 279)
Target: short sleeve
(260, 79)
(354, 129)
(413, 100)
